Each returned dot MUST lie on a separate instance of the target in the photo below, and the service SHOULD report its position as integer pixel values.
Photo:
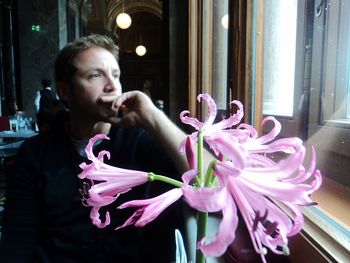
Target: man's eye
(95, 75)
(116, 76)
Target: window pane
(280, 24)
(220, 36)
(348, 86)
(336, 56)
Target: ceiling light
(141, 50)
(123, 20)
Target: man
(44, 219)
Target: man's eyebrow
(99, 69)
(90, 68)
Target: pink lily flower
(253, 190)
(253, 181)
(112, 181)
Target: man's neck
(79, 130)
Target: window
(279, 53)
(334, 18)
(220, 34)
(289, 59)
(208, 52)
(305, 84)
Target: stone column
(8, 60)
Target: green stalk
(155, 177)
(200, 159)
(209, 177)
(202, 217)
(202, 220)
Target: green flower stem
(209, 177)
(202, 219)
(156, 177)
(200, 159)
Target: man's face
(98, 74)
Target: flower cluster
(242, 177)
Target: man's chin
(107, 114)
(108, 118)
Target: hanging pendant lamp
(140, 50)
(123, 20)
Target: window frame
(201, 58)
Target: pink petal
(95, 217)
(273, 133)
(296, 194)
(109, 189)
(98, 200)
(282, 170)
(211, 110)
(231, 149)
(206, 199)
(286, 145)
(225, 235)
(252, 131)
(188, 176)
(298, 219)
(89, 148)
(190, 120)
(232, 120)
(151, 208)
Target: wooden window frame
(239, 77)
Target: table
(14, 141)
(17, 134)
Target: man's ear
(63, 92)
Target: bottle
(14, 119)
(13, 123)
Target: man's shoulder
(41, 141)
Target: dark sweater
(45, 221)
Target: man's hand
(137, 109)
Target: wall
(37, 48)
(41, 31)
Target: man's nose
(111, 85)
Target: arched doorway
(146, 72)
